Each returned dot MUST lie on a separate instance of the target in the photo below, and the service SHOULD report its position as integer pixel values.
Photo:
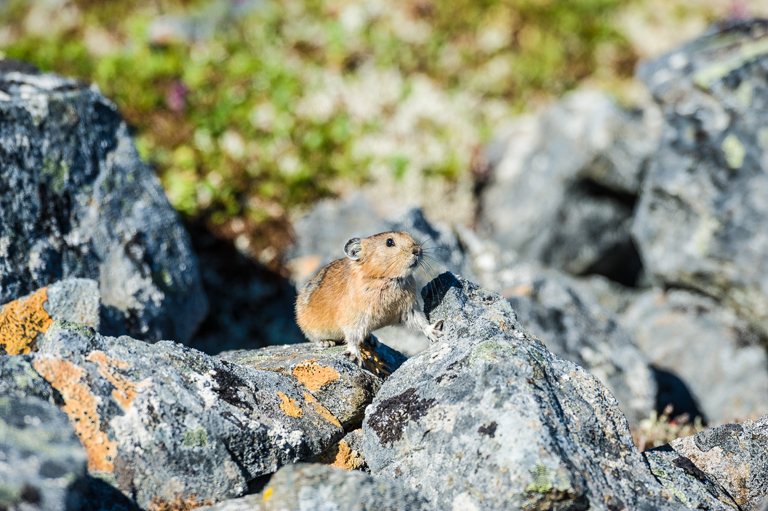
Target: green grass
(291, 101)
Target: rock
(325, 374)
(487, 418)
(323, 231)
(702, 220)
(574, 328)
(82, 204)
(736, 455)
(23, 322)
(42, 464)
(564, 183)
(163, 420)
(347, 453)
(680, 477)
(306, 486)
(718, 355)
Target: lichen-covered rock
(311, 486)
(80, 203)
(702, 220)
(23, 322)
(689, 484)
(326, 374)
(42, 464)
(347, 453)
(735, 455)
(718, 355)
(165, 420)
(487, 418)
(564, 184)
(578, 330)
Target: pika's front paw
(327, 343)
(434, 331)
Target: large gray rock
(162, 420)
(76, 201)
(487, 418)
(564, 184)
(579, 330)
(42, 464)
(735, 455)
(310, 487)
(702, 221)
(718, 355)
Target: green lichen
(705, 76)
(488, 350)
(734, 151)
(55, 172)
(195, 438)
(63, 324)
(743, 94)
(705, 230)
(541, 481)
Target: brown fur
(349, 298)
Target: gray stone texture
(735, 455)
(75, 300)
(165, 420)
(564, 183)
(577, 329)
(702, 221)
(718, 355)
(487, 418)
(42, 464)
(76, 201)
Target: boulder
(702, 219)
(347, 453)
(564, 184)
(488, 418)
(23, 322)
(42, 464)
(81, 203)
(310, 486)
(717, 357)
(573, 327)
(163, 420)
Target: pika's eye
(390, 242)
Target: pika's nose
(416, 250)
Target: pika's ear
(352, 248)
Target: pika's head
(388, 254)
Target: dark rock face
(162, 420)
(578, 330)
(718, 355)
(42, 464)
(487, 418)
(702, 219)
(80, 203)
(564, 184)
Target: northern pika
(371, 288)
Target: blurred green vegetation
(247, 109)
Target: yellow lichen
(373, 362)
(323, 411)
(268, 493)
(314, 376)
(80, 405)
(289, 406)
(21, 321)
(340, 455)
(125, 390)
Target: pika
(371, 288)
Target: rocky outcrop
(718, 356)
(23, 322)
(702, 217)
(564, 183)
(487, 418)
(80, 203)
(163, 420)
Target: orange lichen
(314, 376)
(373, 362)
(323, 411)
(289, 406)
(341, 455)
(125, 390)
(80, 405)
(268, 493)
(21, 321)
